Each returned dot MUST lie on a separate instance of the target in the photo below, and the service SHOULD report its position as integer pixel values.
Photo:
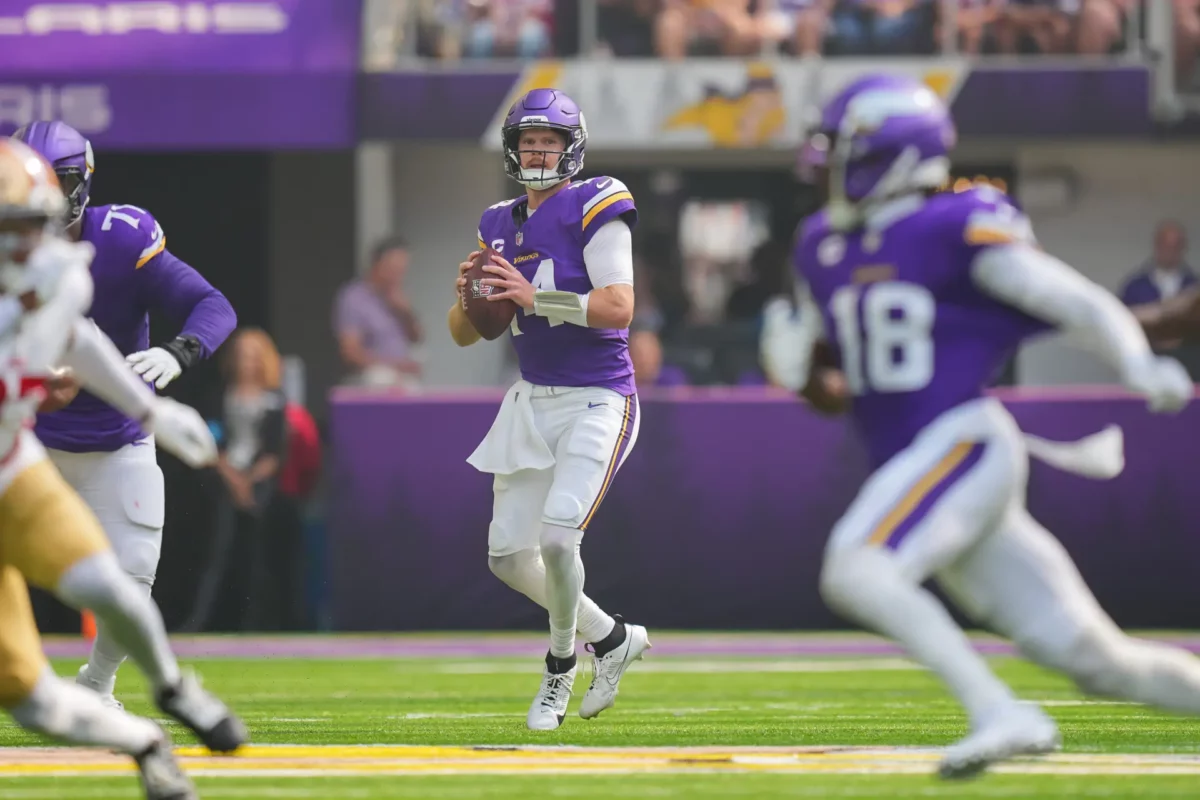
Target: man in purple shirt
(374, 321)
(106, 456)
(564, 255)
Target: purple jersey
(548, 250)
(133, 273)
(915, 336)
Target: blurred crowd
(709, 272)
(707, 284)
(454, 29)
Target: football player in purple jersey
(103, 454)
(920, 297)
(565, 257)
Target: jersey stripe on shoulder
(158, 243)
(479, 240)
(611, 191)
(1003, 225)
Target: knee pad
(848, 573)
(559, 544)
(563, 510)
(139, 560)
(507, 568)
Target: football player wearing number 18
(563, 430)
(924, 296)
(106, 456)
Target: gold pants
(45, 529)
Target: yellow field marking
(368, 760)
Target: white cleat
(550, 704)
(608, 669)
(1022, 729)
(105, 690)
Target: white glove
(182, 432)
(781, 344)
(155, 365)
(1164, 383)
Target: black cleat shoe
(204, 714)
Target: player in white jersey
(48, 537)
(923, 297)
(564, 429)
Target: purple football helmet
(544, 108)
(880, 137)
(71, 156)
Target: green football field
(705, 715)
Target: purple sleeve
(170, 286)
(344, 313)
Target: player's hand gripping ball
(489, 317)
(826, 391)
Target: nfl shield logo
(520, 238)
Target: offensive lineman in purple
(103, 454)
(134, 273)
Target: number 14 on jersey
(543, 281)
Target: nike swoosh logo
(604, 183)
(597, 405)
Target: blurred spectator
(252, 579)
(741, 27)
(1187, 40)
(882, 27)
(375, 324)
(626, 27)
(452, 29)
(805, 23)
(1163, 276)
(1102, 25)
(706, 27)
(507, 28)
(974, 19)
(1165, 273)
(770, 276)
(645, 346)
(1035, 26)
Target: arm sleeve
(609, 255)
(1048, 289)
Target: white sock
(865, 586)
(126, 611)
(564, 585)
(107, 655)
(74, 714)
(525, 572)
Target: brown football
(490, 317)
